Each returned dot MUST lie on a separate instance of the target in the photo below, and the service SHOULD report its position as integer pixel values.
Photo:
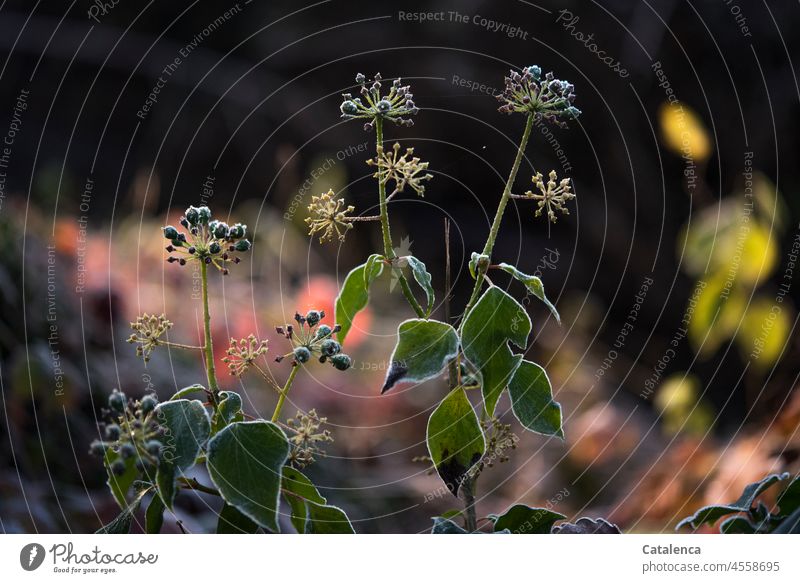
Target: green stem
(470, 518)
(285, 392)
(388, 249)
(208, 347)
(498, 217)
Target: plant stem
(284, 392)
(470, 518)
(388, 249)
(501, 207)
(208, 347)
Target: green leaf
(245, 461)
(495, 320)
(120, 485)
(710, 514)
(423, 349)
(789, 499)
(423, 278)
(187, 429)
(188, 391)
(154, 516)
(532, 400)
(443, 525)
(477, 261)
(327, 519)
(122, 523)
(790, 525)
(522, 519)
(455, 440)
(534, 285)
(737, 525)
(355, 293)
(586, 525)
(231, 521)
(297, 490)
(229, 410)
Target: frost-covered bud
(323, 331)
(127, 451)
(237, 231)
(117, 401)
(302, 354)
(170, 233)
(360, 78)
(384, 106)
(313, 317)
(148, 403)
(219, 229)
(214, 248)
(118, 467)
(191, 215)
(97, 448)
(330, 347)
(203, 215)
(341, 361)
(348, 108)
(113, 432)
(242, 245)
(153, 447)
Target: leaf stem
(284, 392)
(501, 207)
(388, 249)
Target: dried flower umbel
(306, 438)
(404, 170)
(147, 333)
(551, 195)
(210, 241)
(329, 217)
(394, 106)
(549, 98)
(243, 353)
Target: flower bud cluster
(405, 170)
(242, 354)
(372, 105)
(313, 339)
(546, 98)
(306, 437)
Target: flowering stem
(208, 347)
(498, 217)
(284, 393)
(388, 249)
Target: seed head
(552, 195)
(328, 216)
(546, 98)
(403, 170)
(147, 333)
(394, 106)
(243, 353)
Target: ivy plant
(481, 351)
(153, 451)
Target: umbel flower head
(552, 195)
(546, 98)
(147, 333)
(403, 170)
(241, 354)
(328, 216)
(306, 438)
(210, 241)
(394, 106)
(312, 339)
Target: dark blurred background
(702, 204)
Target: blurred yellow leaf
(769, 202)
(683, 132)
(681, 409)
(717, 311)
(764, 332)
(759, 255)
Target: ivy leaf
(442, 525)
(737, 525)
(327, 519)
(789, 499)
(244, 462)
(355, 293)
(122, 523)
(423, 349)
(187, 429)
(423, 278)
(154, 515)
(298, 489)
(229, 410)
(710, 514)
(533, 284)
(477, 261)
(532, 400)
(587, 526)
(455, 440)
(231, 521)
(522, 519)
(188, 391)
(120, 485)
(495, 320)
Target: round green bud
(153, 447)
(117, 401)
(170, 233)
(97, 448)
(237, 231)
(330, 347)
(118, 467)
(341, 361)
(302, 354)
(191, 215)
(144, 466)
(323, 331)
(242, 245)
(112, 432)
(148, 403)
(127, 450)
(384, 106)
(313, 317)
(219, 229)
(214, 248)
(348, 108)
(203, 215)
